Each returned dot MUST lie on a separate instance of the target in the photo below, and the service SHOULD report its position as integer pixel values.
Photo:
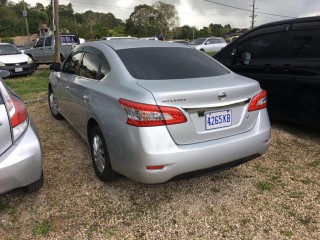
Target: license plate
(218, 119)
(18, 69)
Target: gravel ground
(273, 197)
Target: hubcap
(98, 153)
(53, 104)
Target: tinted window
(48, 41)
(263, 46)
(40, 42)
(213, 41)
(72, 63)
(90, 66)
(169, 63)
(1, 100)
(304, 44)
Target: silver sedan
(155, 111)
(20, 148)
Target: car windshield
(198, 41)
(8, 50)
(162, 63)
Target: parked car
(211, 44)
(180, 41)
(153, 120)
(117, 38)
(20, 148)
(43, 52)
(15, 61)
(285, 58)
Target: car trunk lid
(215, 107)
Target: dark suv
(284, 57)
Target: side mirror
(245, 58)
(22, 51)
(55, 67)
(240, 57)
(4, 73)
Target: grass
(30, 86)
(264, 186)
(211, 53)
(43, 228)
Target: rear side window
(304, 44)
(169, 63)
(263, 46)
(48, 41)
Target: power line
(247, 10)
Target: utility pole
(253, 16)
(26, 18)
(56, 30)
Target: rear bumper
(21, 164)
(26, 69)
(154, 147)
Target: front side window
(304, 44)
(263, 46)
(72, 63)
(161, 63)
(40, 42)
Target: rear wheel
(100, 156)
(53, 105)
(35, 186)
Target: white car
(15, 61)
(211, 44)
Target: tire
(100, 156)
(35, 186)
(202, 50)
(53, 105)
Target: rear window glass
(169, 63)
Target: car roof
(131, 43)
(289, 21)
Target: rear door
(5, 129)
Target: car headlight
(2, 64)
(30, 60)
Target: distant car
(150, 38)
(43, 51)
(116, 38)
(180, 41)
(284, 57)
(20, 148)
(15, 61)
(211, 44)
(152, 119)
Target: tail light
(17, 113)
(147, 115)
(258, 102)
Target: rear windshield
(169, 63)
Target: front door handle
(86, 98)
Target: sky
(200, 13)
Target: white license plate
(218, 119)
(18, 69)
